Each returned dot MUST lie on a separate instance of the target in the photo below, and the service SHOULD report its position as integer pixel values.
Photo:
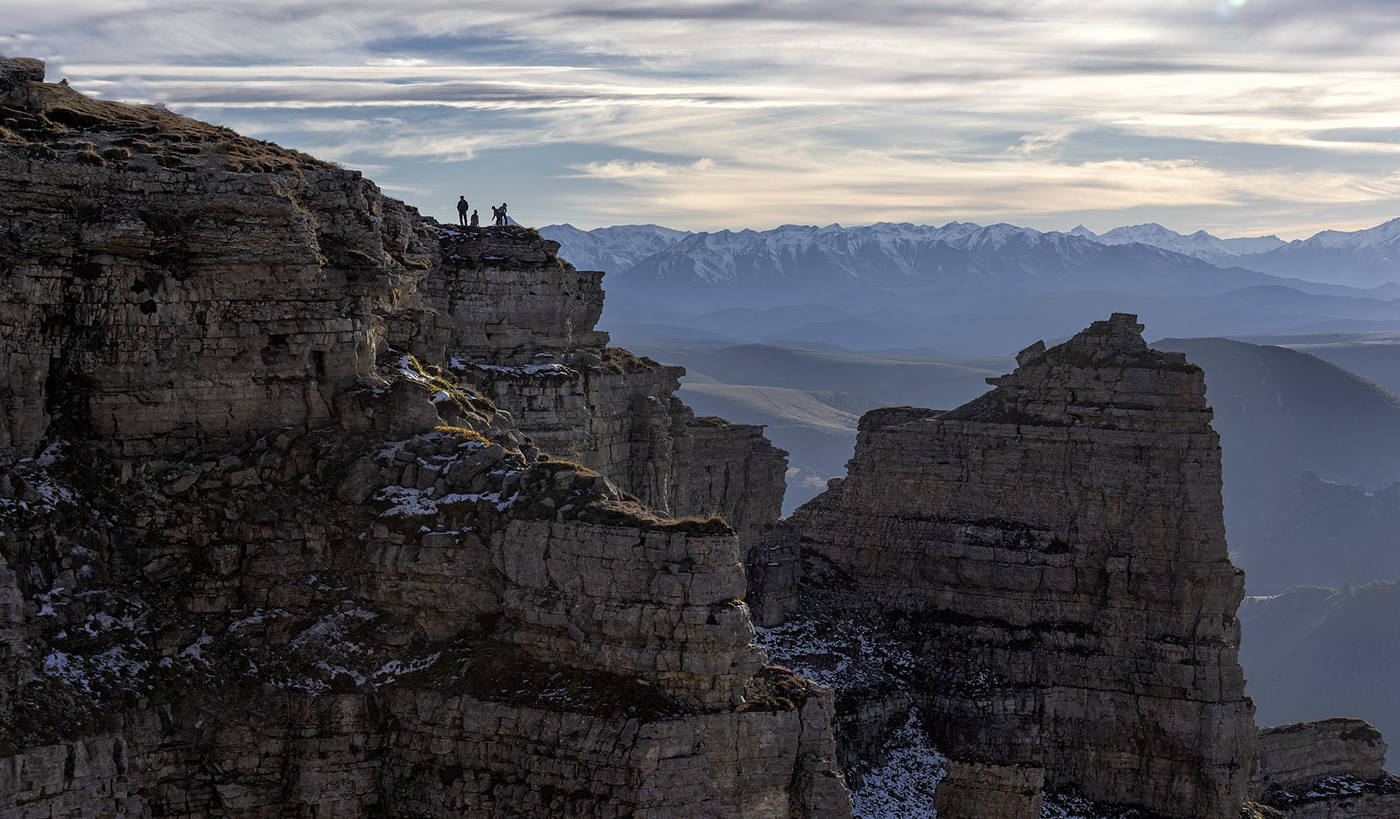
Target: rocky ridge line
(269, 542)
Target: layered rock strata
(525, 321)
(265, 550)
(1054, 554)
(1328, 769)
(218, 285)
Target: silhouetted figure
(462, 208)
(495, 216)
(501, 215)
(476, 220)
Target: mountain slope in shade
(1331, 534)
(1315, 652)
(1281, 413)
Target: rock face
(185, 287)
(1327, 769)
(268, 546)
(1054, 554)
(1297, 755)
(525, 320)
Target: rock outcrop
(1053, 554)
(269, 546)
(1297, 755)
(311, 506)
(1328, 769)
(523, 323)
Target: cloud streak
(756, 113)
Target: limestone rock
(1328, 769)
(268, 546)
(1297, 755)
(1055, 552)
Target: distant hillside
(1281, 413)
(1327, 533)
(1316, 652)
(1373, 355)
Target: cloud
(1042, 143)
(616, 169)
(795, 106)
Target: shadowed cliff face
(1054, 554)
(171, 286)
(280, 531)
(275, 535)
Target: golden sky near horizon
(1242, 117)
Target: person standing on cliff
(462, 208)
(501, 215)
(495, 216)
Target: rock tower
(1055, 551)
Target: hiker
(476, 220)
(496, 216)
(462, 208)
(503, 215)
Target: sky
(1240, 117)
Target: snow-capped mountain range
(1200, 244)
(612, 249)
(967, 289)
(902, 253)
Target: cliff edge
(1037, 588)
(311, 505)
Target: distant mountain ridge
(611, 249)
(833, 254)
(1200, 245)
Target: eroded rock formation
(276, 538)
(523, 333)
(1058, 551)
(1328, 769)
(1039, 579)
(284, 530)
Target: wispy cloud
(748, 112)
(622, 169)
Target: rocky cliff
(1040, 579)
(1328, 769)
(283, 527)
(311, 506)
(522, 333)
